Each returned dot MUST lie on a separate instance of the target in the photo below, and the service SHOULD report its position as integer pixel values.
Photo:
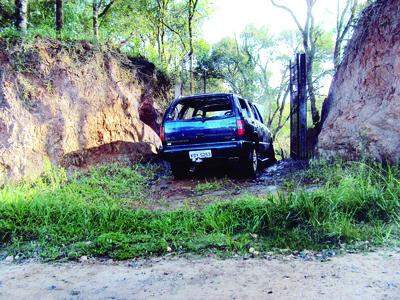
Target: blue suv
(204, 128)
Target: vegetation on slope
(59, 218)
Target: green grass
(45, 32)
(208, 186)
(56, 218)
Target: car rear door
(259, 128)
(201, 120)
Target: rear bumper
(222, 150)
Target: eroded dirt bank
(76, 105)
(354, 276)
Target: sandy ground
(353, 276)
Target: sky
(229, 17)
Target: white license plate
(195, 155)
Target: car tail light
(162, 134)
(240, 127)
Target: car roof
(209, 95)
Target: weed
(208, 186)
(60, 218)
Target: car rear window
(207, 108)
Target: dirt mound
(362, 114)
(60, 101)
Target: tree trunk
(191, 59)
(309, 37)
(96, 19)
(59, 16)
(311, 92)
(191, 12)
(21, 14)
(343, 27)
(336, 54)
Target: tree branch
(301, 29)
(106, 9)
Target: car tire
(271, 156)
(250, 164)
(179, 171)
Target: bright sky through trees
(229, 17)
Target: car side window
(259, 115)
(188, 113)
(245, 108)
(174, 114)
(253, 109)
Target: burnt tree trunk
(191, 59)
(59, 7)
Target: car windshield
(207, 108)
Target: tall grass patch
(90, 214)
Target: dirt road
(167, 193)
(353, 276)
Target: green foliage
(208, 186)
(58, 218)
(242, 63)
(6, 13)
(155, 29)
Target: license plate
(195, 155)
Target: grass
(60, 218)
(209, 186)
(46, 32)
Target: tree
(21, 14)
(246, 65)
(100, 9)
(316, 44)
(7, 15)
(344, 21)
(230, 63)
(96, 7)
(310, 35)
(191, 11)
(59, 8)
(161, 18)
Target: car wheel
(179, 171)
(250, 164)
(271, 156)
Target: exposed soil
(167, 193)
(354, 276)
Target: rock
(169, 249)
(9, 259)
(75, 293)
(362, 113)
(133, 264)
(75, 110)
(251, 250)
(83, 259)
